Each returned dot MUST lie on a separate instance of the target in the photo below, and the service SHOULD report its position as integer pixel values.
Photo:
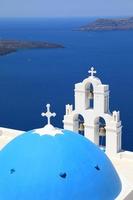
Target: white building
(92, 117)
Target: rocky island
(9, 46)
(104, 24)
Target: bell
(102, 131)
(90, 95)
(81, 127)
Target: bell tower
(92, 117)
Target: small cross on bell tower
(92, 71)
(48, 114)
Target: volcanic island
(10, 46)
(109, 24)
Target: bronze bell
(90, 95)
(102, 131)
(81, 127)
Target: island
(108, 24)
(10, 46)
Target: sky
(65, 8)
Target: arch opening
(79, 124)
(89, 96)
(101, 133)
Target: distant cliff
(104, 24)
(9, 46)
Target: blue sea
(29, 79)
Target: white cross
(92, 71)
(48, 114)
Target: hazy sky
(57, 8)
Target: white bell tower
(91, 116)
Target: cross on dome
(92, 71)
(49, 129)
(48, 114)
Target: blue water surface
(29, 79)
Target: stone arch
(78, 124)
(89, 86)
(95, 82)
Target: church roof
(60, 166)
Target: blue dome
(66, 166)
